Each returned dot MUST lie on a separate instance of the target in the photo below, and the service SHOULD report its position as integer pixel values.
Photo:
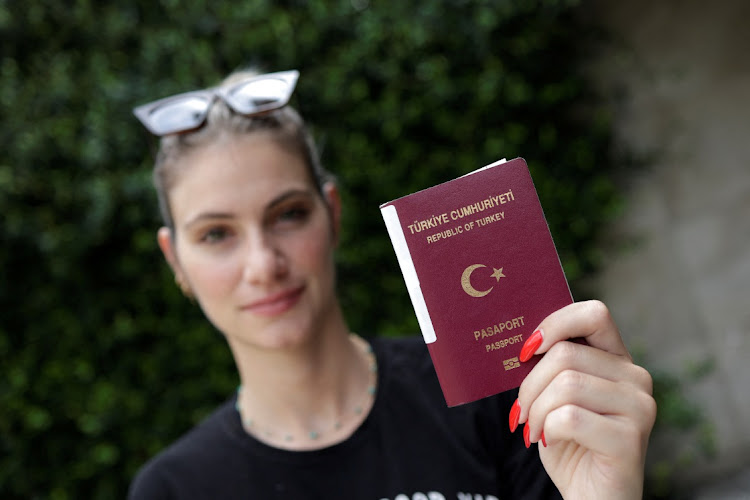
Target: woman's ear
(333, 200)
(166, 243)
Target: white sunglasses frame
(224, 92)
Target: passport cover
(482, 272)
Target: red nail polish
(515, 413)
(526, 431)
(544, 441)
(531, 345)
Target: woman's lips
(276, 303)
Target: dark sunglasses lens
(176, 115)
(259, 95)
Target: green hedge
(104, 362)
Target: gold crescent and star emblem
(466, 280)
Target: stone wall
(678, 272)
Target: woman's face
(254, 240)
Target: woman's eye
(214, 235)
(293, 214)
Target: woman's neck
(308, 396)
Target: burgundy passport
(482, 272)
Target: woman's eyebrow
(292, 193)
(207, 216)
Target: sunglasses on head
(188, 111)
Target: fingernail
(526, 439)
(544, 441)
(515, 413)
(531, 345)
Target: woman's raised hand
(589, 407)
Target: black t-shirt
(410, 447)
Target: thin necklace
(315, 434)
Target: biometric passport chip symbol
(511, 363)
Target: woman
(251, 224)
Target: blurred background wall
(677, 273)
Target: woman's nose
(265, 262)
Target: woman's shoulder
(406, 356)
(399, 350)
(194, 453)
